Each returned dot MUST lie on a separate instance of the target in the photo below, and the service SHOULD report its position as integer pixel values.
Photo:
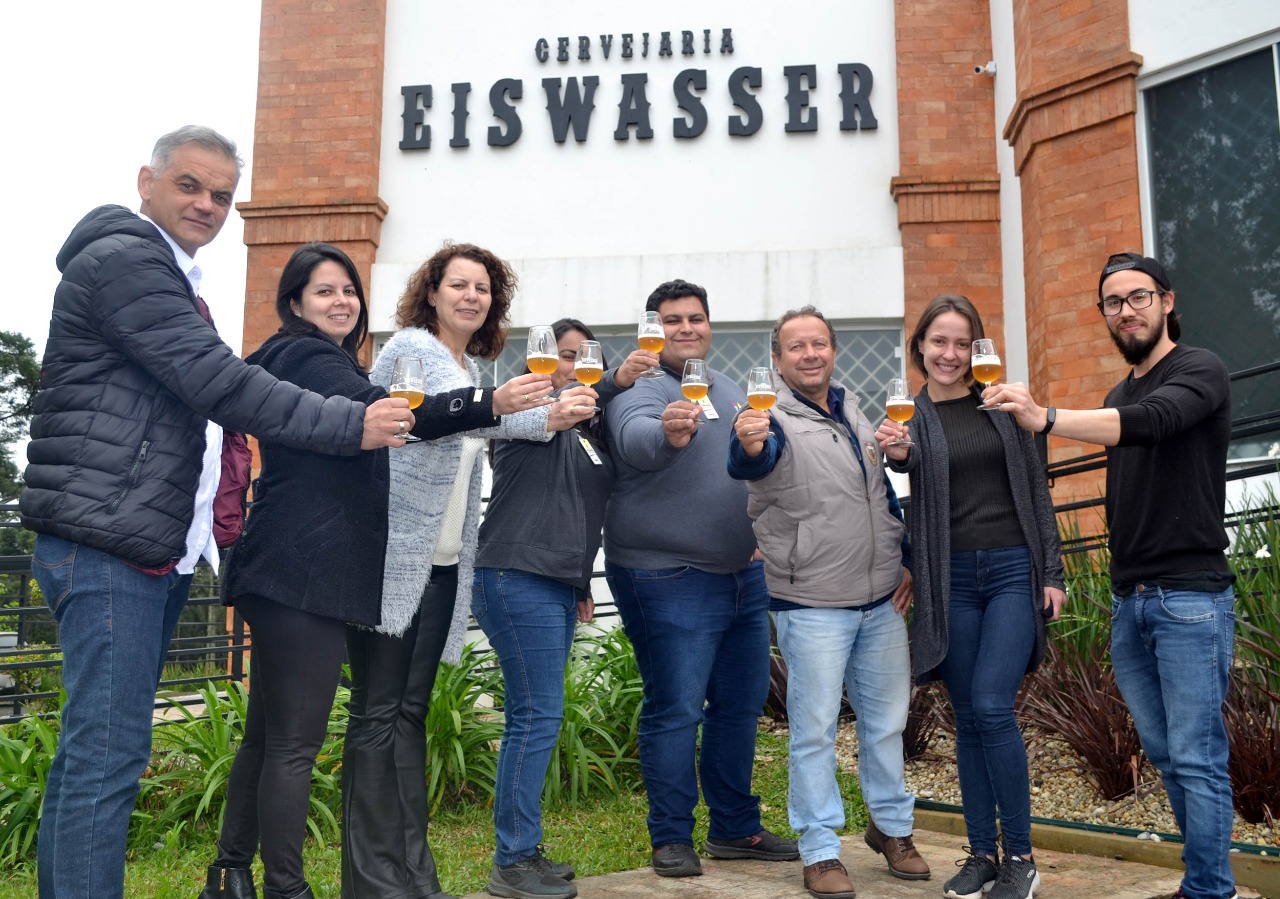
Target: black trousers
(385, 854)
(293, 675)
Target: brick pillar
(317, 143)
(948, 188)
(1073, 132)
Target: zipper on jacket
(135, 472)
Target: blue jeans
(114, 624)
(992, 633)
(1171, 651)
(702, 645)
(867, 651)
(529, 620)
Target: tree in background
(19, 380)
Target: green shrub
(26, 749)
(463, 731)
(598, 752)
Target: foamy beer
(694, 385)
(760, 391)
(653, 338)
(588, 367)
(986, 366)
(540, 353)
(899, 405)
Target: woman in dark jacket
(538, 546)
(310, 560)
(988, 574)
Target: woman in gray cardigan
(988, 575)
(453, 308)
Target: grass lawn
(598, 837)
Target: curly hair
(943, 302)
(414, 310)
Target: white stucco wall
(1171, 32)
(766, 222)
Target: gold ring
(526, 397)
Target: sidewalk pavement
(1062, 875)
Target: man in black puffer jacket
(120, 485)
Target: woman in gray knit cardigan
(453, 308)
(988, 575)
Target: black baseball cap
(1119, 262)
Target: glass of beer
(651, 337)
(408, 382)
(541, 353)
(694, 385)
(986, 366)
(588, 367)
(900, 406)
(761, 393)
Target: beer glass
(408, 382)
(986, 366)
(588, 368)
(694, 385)
(761, 394)
(900, 406)
(541, 352)
(651, 337)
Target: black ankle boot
(229, 883)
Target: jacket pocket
(134, 475)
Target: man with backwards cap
(1166, 426)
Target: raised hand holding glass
(408, 382)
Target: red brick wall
(947, 189)
(317, 141)
(1073, 132)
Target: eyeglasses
(1139, 299)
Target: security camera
(989, 69)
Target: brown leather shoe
(828, 879)
(904, 860)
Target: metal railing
(203, 650)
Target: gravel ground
(1059, 790)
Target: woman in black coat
(310, 560)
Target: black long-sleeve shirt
(1166, 477)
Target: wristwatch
(1050, 416)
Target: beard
(1136, 349)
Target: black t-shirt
(1166, 477)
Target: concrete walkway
(1063, 876)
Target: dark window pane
(1215, 171)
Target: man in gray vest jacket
(836, 563)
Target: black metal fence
(210, 647)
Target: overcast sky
(88, 87)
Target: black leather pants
(385, 854)
(297, 660)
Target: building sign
(570, 102)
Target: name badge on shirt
(590, 451)
(707, 409)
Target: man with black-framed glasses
(1167, 426)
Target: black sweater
(1166, 477)
(317, 533)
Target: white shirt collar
(185, 262)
